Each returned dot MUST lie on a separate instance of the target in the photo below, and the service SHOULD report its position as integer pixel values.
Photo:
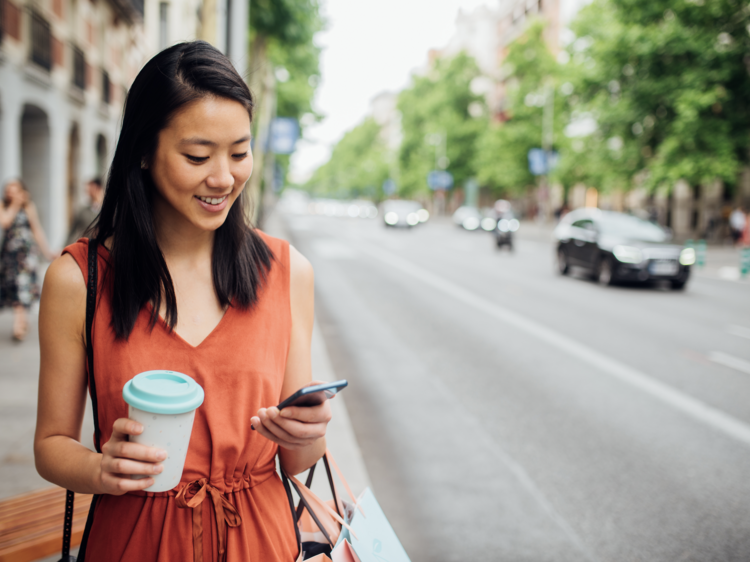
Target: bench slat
(31, 524)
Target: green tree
(668, 83)
(358, 166)
(531, 80)
(439, 103)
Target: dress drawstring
(192, 496)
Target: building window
(79, 68)
(163, 8)
(41, 41)
(105, 87)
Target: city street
(507, 413)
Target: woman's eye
(197, 159)
(239, 156)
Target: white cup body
(170, 432)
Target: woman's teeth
(212, 200)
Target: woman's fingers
(122, 458)
(126, 466)
(309, 414)
(288, 433)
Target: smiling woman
(173, 236)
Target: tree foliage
(439, 103)
(669, 85)
(531, 75)
(358, 166)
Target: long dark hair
(138, 272)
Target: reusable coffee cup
(164, 402)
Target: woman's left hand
(294, 427)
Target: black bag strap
(91, 286)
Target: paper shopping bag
(344, 553)
(370, 533)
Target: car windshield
(632, 228)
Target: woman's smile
(213, 204)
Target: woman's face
(13, 191)
(202, 162)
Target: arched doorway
(101, 157)
(73, 181)
(35, 159)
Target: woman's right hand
(122, 458)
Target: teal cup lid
(163, 392)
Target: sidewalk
(19, 372)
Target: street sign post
(439, 180)
(389, 187)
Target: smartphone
(313, 395)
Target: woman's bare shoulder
(64, 279)
(300, 268)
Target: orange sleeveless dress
(230, 497)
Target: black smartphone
(313, 395)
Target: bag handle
(91, 287)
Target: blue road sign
(389, 187)
(440, 180)
(542, 162)
(283, 136)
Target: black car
(619, 247)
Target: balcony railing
(41, 41)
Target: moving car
(618, 247)
(399, 212)
(471, 218)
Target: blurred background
(529, 225)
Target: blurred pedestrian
(737, 224)
(185, 284)
(22, 236)
(88, 213)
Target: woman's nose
(221, 176)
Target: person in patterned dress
(22, 237)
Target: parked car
(619, 247)
(400, 212)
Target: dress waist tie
(192, 496)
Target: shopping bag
(319, 558)
(372, 537)
(344, 553)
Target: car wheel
(604, 271)
(678, 284)
(563, 268)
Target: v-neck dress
(230, 474)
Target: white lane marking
(332, 249)
(685, 403)
(739, 331)
(730, 361)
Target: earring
(144, 166)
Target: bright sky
(369, 47)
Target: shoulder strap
(91, 287)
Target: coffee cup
(164, 403)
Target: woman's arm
(59, 455)
(38, 231)
(299, 431)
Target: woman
(185, 285)
(22, 232)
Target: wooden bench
(31, 524)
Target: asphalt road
(506, 413)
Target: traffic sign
(389, 187)
(439, 180)
(283, 136)
(542, 161)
